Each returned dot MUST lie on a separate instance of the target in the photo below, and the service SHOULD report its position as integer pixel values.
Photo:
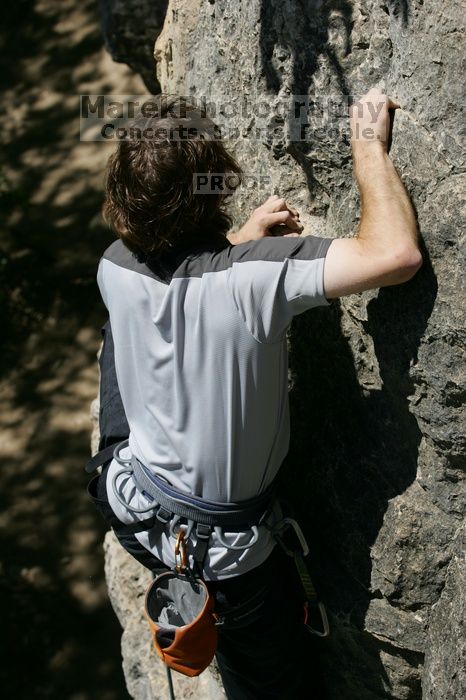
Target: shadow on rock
(352, 450)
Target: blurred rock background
(60, 638)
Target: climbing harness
(178, 605)
(172, 507)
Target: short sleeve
(275, 278)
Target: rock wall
(377, 455)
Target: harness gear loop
(129, 472)
(127, 469)
(180, 552)
(255, 536)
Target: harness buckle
(163, 515)
(203, 532)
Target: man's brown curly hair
(150, 200)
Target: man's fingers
(278, 205)
(371, 118)
(282, 217)
(275, 203)
(272, 198)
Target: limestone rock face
(446, 648)
(377, 380)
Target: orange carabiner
(181, 545)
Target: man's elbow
(406, 262)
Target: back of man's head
(150, 199)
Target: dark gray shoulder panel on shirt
(120, 255)
(268, 249)
(187, 264)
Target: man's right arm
(385, 250)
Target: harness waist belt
(185, 505)
(172, 504)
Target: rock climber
(196, 347)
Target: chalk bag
(179, 609)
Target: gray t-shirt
(202, 367)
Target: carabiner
(281, 527)
(181, 545)
(324, 619)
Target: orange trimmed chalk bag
(179, 609)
